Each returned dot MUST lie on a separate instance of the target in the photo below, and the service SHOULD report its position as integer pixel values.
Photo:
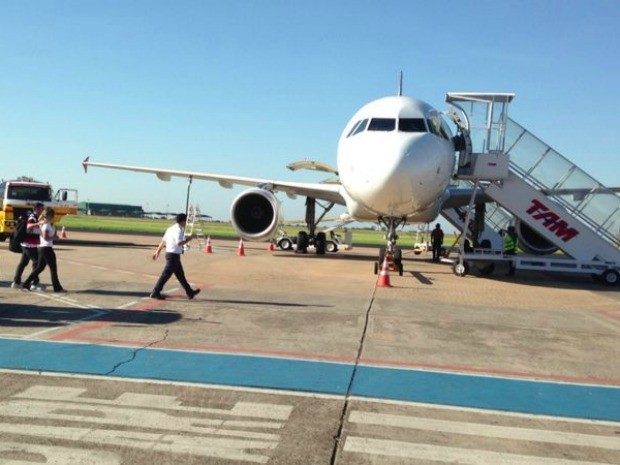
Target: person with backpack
(47, 256)
(28, 238)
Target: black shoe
(157, 296)
(193, 294)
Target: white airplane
(396, 157)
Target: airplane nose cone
(395, 176)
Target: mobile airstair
(534, 188)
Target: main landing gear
(391, 252)
(318, 240)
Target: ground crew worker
(510, 247)
(436, 242)
(173, 241)
(30, 248)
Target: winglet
(85, 164)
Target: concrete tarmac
(298, 359)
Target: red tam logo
(551, 221)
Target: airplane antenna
(400, 84)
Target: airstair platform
(533, 184)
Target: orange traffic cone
(63, 234)
(384, 274)
(240, 249)
(208, 248)
(271, 247)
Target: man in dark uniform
(436, 242)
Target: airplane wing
(330, 192)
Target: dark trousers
(29, 254)
(511, 264)
(173, 266)
(436, 250)
(47, 257)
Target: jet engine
(532, 242)
(255, 214)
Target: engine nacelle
(255, 214)
(532, 242)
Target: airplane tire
(376, 268)
(460, 270)
(320, 243)
(400, 266)
(610, 277)
(302, 242)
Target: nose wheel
(391, 253)
(394, 261)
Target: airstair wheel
(610, 277)
(460, 269)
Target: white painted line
(54, 455)
(368, 400)
(126, 272)
(486, 430)
(267, 411)
(202, 446)
(220, 387)
(424, 452)
(129, 304)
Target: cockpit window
(435, 126)
(361, 127)
(411, 125)
(382, 124)
(358, 127)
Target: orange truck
(18, 197)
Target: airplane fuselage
(395, 159)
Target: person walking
(47, 256)
(173, 241)
(511, 241)
(436, 242)
(30, 246)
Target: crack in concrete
(134, 353)
(345, 406)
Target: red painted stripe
(610, 314)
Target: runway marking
(24, 454)
(486, 430)
(459, 455)
(128, 304)
(609, 314)
(199, 431)
(491, 393)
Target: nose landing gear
(391, 253)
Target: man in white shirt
(174, 239)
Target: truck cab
(18, 196)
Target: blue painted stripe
(515, 395)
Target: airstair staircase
(533, 184)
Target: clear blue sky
(245, 87)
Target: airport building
(110, 209)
